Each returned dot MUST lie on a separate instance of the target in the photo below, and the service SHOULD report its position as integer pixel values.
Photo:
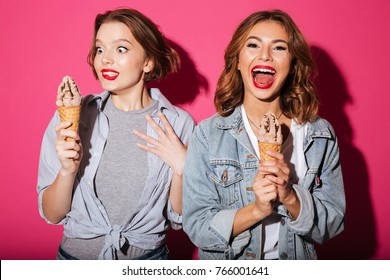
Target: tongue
(263, 78)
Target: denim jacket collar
(316, 129)
(232, 121)
(235, 124)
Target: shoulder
(221, 124)
(164, 103)
(210, 122)
(183, 114)
(209, 128)
(89, 99)
(321, 127)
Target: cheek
(96, 62)
(246, 57)
(284, 63)
(125, 62)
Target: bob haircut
(298, 97)
(166, 60)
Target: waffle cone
(263, 147)
(70, 114)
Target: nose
(265, 54)
(107, 58)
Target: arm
(56, 199)
(321, 191)
(327, 195)
(206, 219)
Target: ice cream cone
(264, 146)
(70, 114)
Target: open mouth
(263, 76)
(109, 74)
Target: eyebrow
(117, 41)
(273, 41)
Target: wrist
(65, 173)
(291, 198)
(178, 171)
(257, 213)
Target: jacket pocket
(226, 175)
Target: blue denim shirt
(221, 164)
(88, 217)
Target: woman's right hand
(69, 152)
(266, 193)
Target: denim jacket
(220, 166)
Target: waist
(89, 249)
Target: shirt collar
(318, 128)
(155, 93)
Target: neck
(131, 101)
(256, 114)
(257, 108)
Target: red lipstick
(263, 76)
(109, 74)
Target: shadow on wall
(358, 241)
(183, 87)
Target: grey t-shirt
(120, 178)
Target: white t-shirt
(292, 149)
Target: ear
(149, 65)
(238, 66)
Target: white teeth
(264, 70)
(111, 74)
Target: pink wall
(43, 40)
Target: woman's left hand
(168, 147)
(278, 172)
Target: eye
(280, 48)
(122, 49)
(99, 50)
(252, 45)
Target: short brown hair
(147, 34)
(298, 96)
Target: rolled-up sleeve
(49, 164)
(323, 202)
(174, 217)
(208, 225)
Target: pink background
(41, 41)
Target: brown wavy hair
(166, 60)
(298, 97)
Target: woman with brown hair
(237, 204)
(114, 196)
